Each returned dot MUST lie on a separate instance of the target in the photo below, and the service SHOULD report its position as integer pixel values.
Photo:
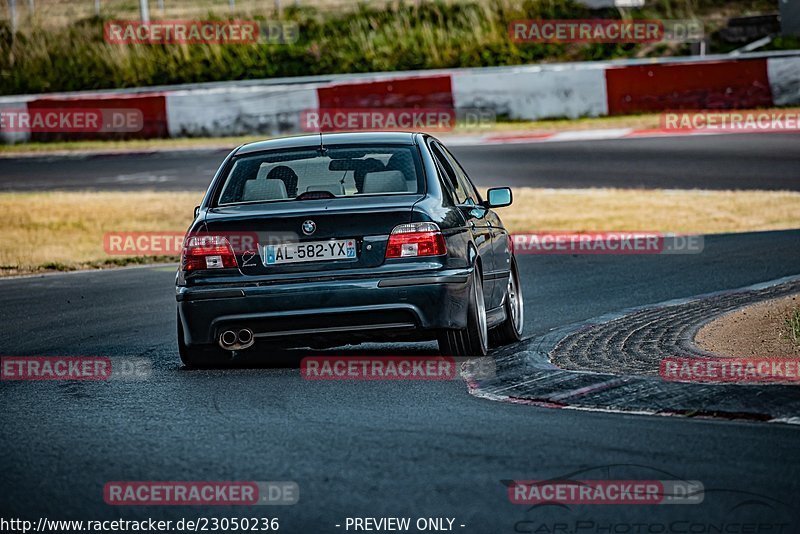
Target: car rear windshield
(328, 173)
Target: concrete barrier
(784, 80)
(269, 110)
(589, 89)
(533, 93)
(14, 104)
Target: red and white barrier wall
(527, 92)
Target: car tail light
(416, 239)
(207, 252)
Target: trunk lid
(367, 220)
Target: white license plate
(336, 249)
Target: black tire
(474, 339)
(200, 356)
(510, 330)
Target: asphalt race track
(397, 449)
(739, 161)
(368, 448)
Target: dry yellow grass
(64, 230)
(60, 230)
(669, 210)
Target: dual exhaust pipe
(236, 339)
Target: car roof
(310, 140)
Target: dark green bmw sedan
(324, 240)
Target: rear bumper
(413, 306)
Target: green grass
(366, 38)
(793, 325)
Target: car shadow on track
(291, 358)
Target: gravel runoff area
(758, 330)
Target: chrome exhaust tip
(236, 339)
(245, 336)
(227, 338)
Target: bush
(423, 35)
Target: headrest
(385, 182)
(264, 190)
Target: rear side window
(337, 171)
(461, 176)
(449, 173)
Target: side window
(449, 172)
(445, 183)
(462, 177)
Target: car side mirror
(498, 197)
(196, 211)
